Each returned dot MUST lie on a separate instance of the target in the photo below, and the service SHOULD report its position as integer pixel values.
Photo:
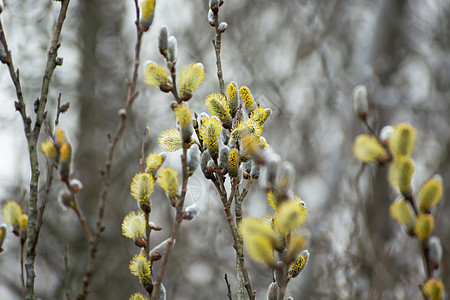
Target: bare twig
(66, 269)
(229, 295)
(106, 173)
(144, 140)
(32, 135)
(217, 44)
(237, 240)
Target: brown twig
(229, 295)
(175, 227)
(144, 141)
(66, 269)
(217, 45)
(237, 240)
(106, 172)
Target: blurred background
(302, 59)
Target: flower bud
(191, 211)
(433, 289)
(299, 264)
(163, 40)
(173, 49)
(285, 177)
(160, 248)
(183, 116)
(385, 133)
(402, 140)
(233, 99)
(272, 291)
(256, 170)
(360, 103)
(424, 226)
(214, 5)
(233, 163)
(430, 193)
(65, 199)
(211, 17)
(205, 159)
(168, 180)
(222, 27)
(403, 213)
(435, 251)
(223, 159)
(192, 159)
(247, 98)
(367, 148)
(148, 12)
(76, 185)
(400, 173)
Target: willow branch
(217, 45)
(32, 135)
(175, 227)
(238, 245)
(106, 172)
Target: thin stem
(229, 295)
(175, 227)
(22, 275)
(66, 268)
(32, 136)
(217, 44)
(238, 245)
(106, 172)
(284, 271)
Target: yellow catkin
(156, 76)
(191, 77)
(142, 187)
(218, 106)
(403, 213)
(209, 132)
(289, 216)
(247, 99)
(402, 140)
(233, 100)
(367, 148)
(183, 115)
(153, 162)
(49, 149)
(424, 226)
(433, 289)
(233, 163)
(170, 140)
(430, 193)
(141, 267)
(400, 173)
(133, 225)
(167, 179)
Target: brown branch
(175, 227)
(237, 240)
(32, 136)
(106, 172)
